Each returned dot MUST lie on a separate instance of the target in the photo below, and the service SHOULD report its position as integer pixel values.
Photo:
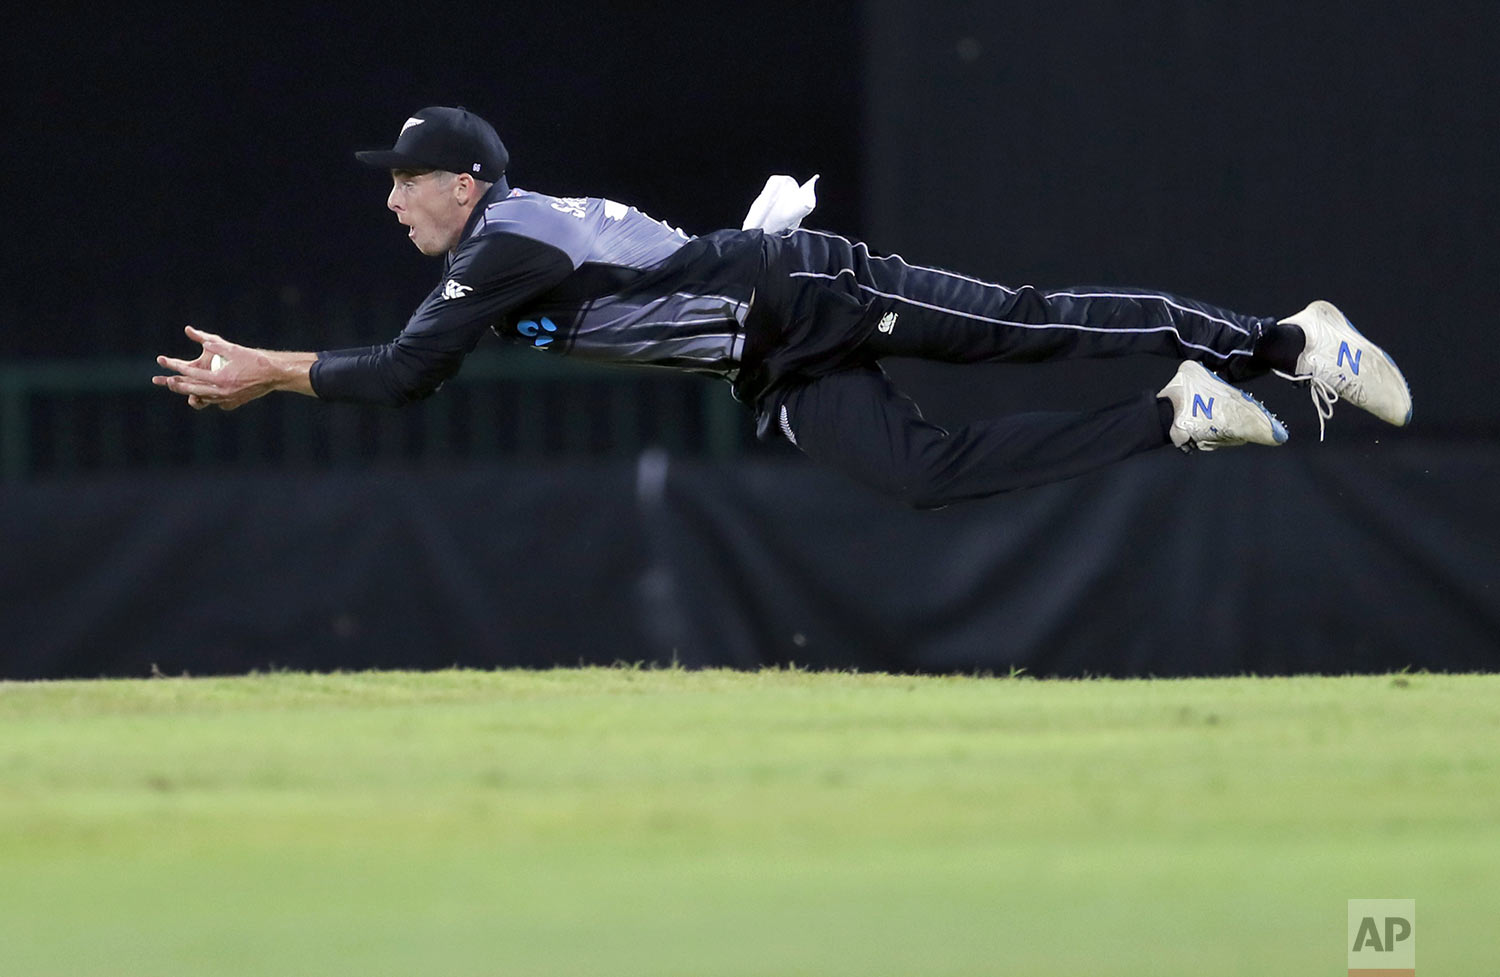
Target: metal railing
(68, 415)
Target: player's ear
(463, 188)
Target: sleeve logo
(453, 290)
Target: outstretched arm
(243, 374)
(488, 278)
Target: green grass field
(626, 821)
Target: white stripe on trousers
(1032, 325)
(1164, 299)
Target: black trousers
(842, 309)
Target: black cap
(443, 138)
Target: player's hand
(244, 374)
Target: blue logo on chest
(537, 330)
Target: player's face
(428, 204)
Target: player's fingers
(188, 385)
(196, 402)
(172, 363)
(198, 369)
(198, 335)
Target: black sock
(1278, 347)
(1166, 412)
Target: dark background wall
(1334, 561)
(198, 161)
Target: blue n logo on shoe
(1207, 409)
(529, 327)
(1353, 358)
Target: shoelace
(1323, 396)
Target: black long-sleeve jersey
(565, 275)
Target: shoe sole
(1278, 429)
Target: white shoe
(1340, 364)
(1210, 413)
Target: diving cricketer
(797, 321)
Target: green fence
(68, 415)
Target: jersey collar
(498, 191)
